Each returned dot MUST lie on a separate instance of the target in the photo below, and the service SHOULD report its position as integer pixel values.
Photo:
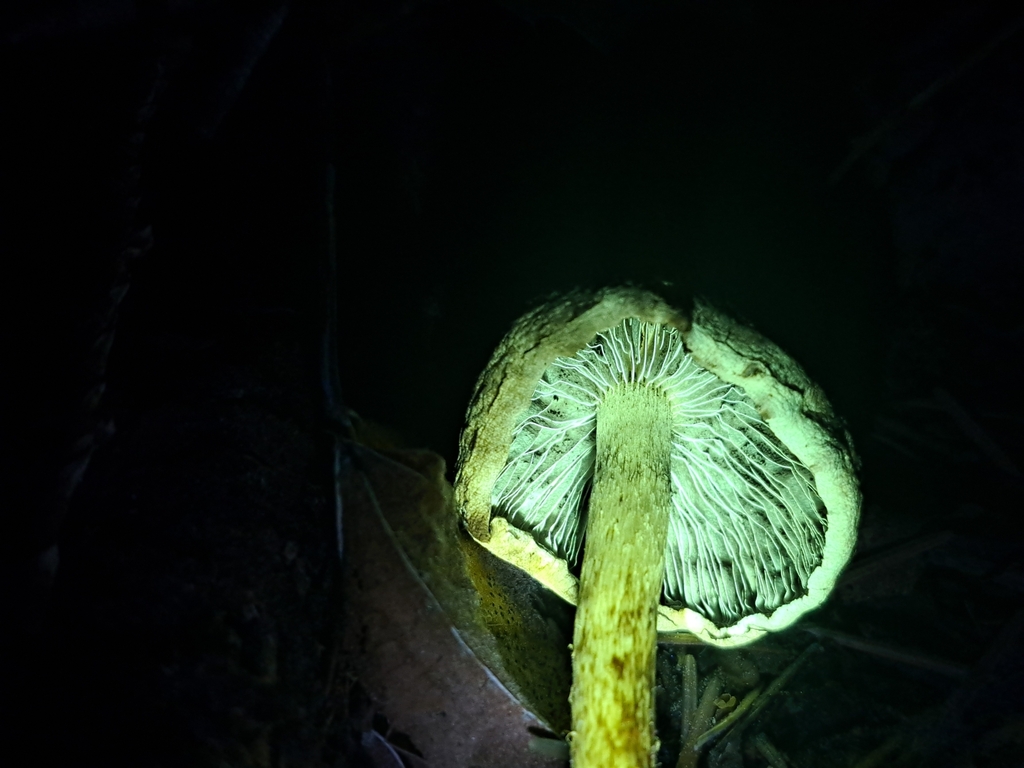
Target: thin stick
(893, 556)
(974, 431)
(700, 720)
(769, 751)
(910, 658)
(689, 695)
(729, 721)
(780, 682)
(864, 144)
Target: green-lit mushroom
(722, 498)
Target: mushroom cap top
(765, 502)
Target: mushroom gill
(746, 527)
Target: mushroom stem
(615, 638)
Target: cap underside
(747, 527)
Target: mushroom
(702, 475)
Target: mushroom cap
(765, 503)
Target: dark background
(848, 177)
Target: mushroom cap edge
(793, 406)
